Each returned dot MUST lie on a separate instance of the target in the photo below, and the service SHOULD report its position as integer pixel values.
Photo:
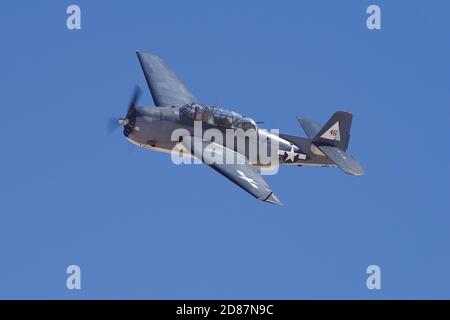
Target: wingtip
(147, 56)
(273, 199)
(145, 53)
(360, 172)
(142, 54)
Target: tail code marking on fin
(332, 133)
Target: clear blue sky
(141, 227)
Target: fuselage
(157, 127)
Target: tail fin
(336, 132)
(333, 138)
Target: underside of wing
(232, 165)
(166, 89)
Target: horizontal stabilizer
(310, 127)
(343, 160)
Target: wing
(165, 87)
(310, 127)
(240, 171)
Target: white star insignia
(291, 154)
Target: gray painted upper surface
(165, 87)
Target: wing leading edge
(165, 87)
(240, 172)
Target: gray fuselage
(154, 128)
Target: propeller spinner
(130, 117)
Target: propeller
(112, 125)
(130, 117)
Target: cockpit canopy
(216, 116)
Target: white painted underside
(159, 149)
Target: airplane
(176, 108)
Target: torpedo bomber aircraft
(176, 108)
